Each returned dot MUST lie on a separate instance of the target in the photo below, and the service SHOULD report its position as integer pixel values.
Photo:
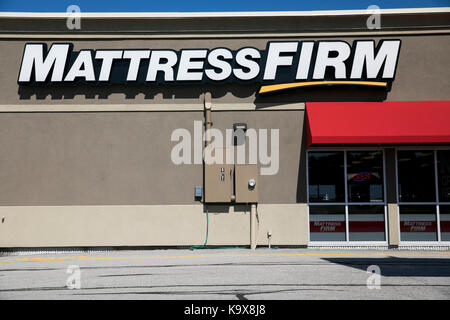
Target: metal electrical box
(246, 183)
(218, 183)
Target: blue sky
(210, 5)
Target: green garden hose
(206, 239)
(207, 231)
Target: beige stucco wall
(148, 225)
(393, 225)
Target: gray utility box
(244, 173)
(218, 183)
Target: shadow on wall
(301, 179)
(331, 93)
(400, 267)
(103, 92)
(226, 208)
(191, 91)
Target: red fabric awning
(377, 122)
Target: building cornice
(255, 14)
(224, 24)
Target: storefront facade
(354, 122)
(363, 218)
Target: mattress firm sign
(282, 65)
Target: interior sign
(282, 65)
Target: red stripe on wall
(366, 226)
(445, 226)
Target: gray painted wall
(117, 158)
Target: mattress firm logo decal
(283, 65)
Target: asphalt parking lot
(236, 274)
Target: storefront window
(326, 172)
(327, 223)
(365, 176)
(423, 191)
(419, 173)
(366, 223)
(443, 162)
(354, 178)
(418, 223)
(416, 176)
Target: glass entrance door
(346, 196)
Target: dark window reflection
(327, 223)
(326, 176)
(416, 176)
(418, 223)
(443, 159)
(365, 176)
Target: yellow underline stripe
(281, 86)
(86, 258)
